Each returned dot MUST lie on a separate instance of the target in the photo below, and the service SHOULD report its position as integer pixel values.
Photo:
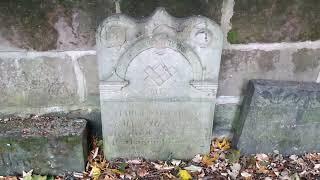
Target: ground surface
(221, 163)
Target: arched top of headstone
(121, 38)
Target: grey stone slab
(279, 115)
(238, 67)
(37, 82)
(51, 146)
(158, 83)
(275, 21)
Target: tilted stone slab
(50, 146)
(279, 115)
(158, 83)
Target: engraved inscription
(151, 127)
(11, 160)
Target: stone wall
(48, 63)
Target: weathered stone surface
(279, 115)
(48, 25)
(237, 67)
(158, 82)
(89, 67)
(51, 146)
(275, 21)
(224, 116)
(37, 82)
(178, 8)
(307, 61)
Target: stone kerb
(156, 74)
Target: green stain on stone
(232, 37)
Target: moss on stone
(232, 37)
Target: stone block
(48, 145)
(237, 67)
(178, 8)
(89, 67)
(275, 21)
(279, 115)
(158, 83)
(224, 116)
(50, 25)
(37, 82)
(307, 61)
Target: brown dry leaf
(134, 161)
(208, 161)
(246, 175)
(197, 158)
(223, 144)
(170, 176)
(142, 172)
(162, 167)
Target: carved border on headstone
(120, 39)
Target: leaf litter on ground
(222, 162)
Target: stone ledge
(48, 145)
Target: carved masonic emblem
(160, 73)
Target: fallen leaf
(234, 170)
(223, 144)
(193, 168)
(197, 158)
(233, 156)
(134, 161)
(162, 167)
(142, 172)
(262, 157)
(27, 175)
(95, 154)
(295, 176)
(78, 175)
(122, 167)
(96, 172)
(175, 162)
(116, 171)
(294, 157)
(208, 161)
(184, 175)
(246, 175)
(38, 177)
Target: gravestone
(46, 145)
(158, 83)
(279, 115)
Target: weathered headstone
(158, 85)
(46, 145)
(279, 115)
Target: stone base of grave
(46, 145)
(279, 115)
